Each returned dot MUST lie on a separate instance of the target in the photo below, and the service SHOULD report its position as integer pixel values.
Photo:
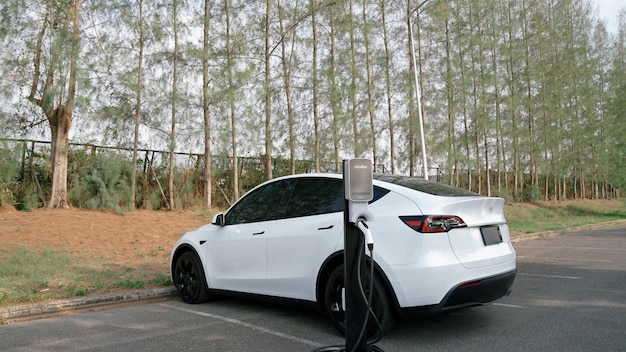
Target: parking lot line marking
(573, 259)
(585, 248)
(551, 276)
(247, 325)
(507, 305)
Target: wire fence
(26, 177)
(100, 177)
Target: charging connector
(369, 240)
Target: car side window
(312, 196)
(378, 193)
(263, 204)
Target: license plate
(491, 235)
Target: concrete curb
(30, 311)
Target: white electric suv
(437, 247)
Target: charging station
(357, 178)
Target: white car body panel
(236, 257)
(294, 256)
(473, 254)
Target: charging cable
(369, 241)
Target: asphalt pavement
(569, 295)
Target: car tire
(381, 304)
(189, 278)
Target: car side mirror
(218, 219)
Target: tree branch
(37, 61)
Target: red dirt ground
(137, 240)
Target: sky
(607, 9)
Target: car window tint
(263, 204)
(312, 196)
(378, 193)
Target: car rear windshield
(431, 187)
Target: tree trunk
(174, 99)
(370, 88)
(353, 82)
(500, 149)
(419, 97)
(475, 85)
(231, 98)
(286, 64)
(451, 135)
(208, 165)
(392, 147)
(463, 86)
(334, 96)
(529, 96)
(268, 93)
(60, 123)
(133, 178)
(512, 78)
(411, 91)
(316, 117)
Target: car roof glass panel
(426, 186)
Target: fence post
(23, 170)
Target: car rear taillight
(433, 223)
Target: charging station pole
(357, 178)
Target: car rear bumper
(467, 294)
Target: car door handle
(258, 233)
(326, 228)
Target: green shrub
(9, 175)
(101, 181)
(28, 198)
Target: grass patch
(139, 283)
(161, 280)
(28, 275)
(24, 273)
(550, 216)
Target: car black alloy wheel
(189, 278)
(381, 304)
